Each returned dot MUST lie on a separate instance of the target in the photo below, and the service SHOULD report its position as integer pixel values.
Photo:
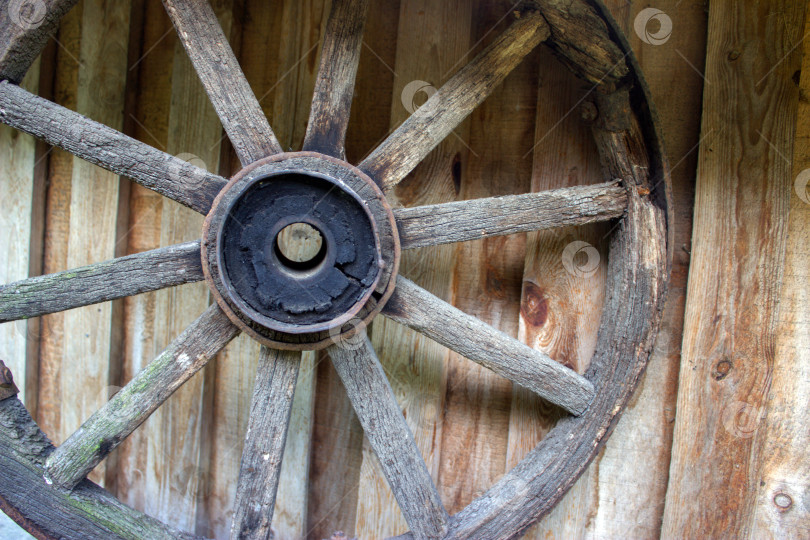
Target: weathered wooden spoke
(108, 148)
(389, 435)
(334, 88)
(226, 85)
(264, 446)
(118, 278)
(402, 151)
(25, 28)
(130, 407)
(481, 218)
(413, 306)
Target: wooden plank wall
(712, 444)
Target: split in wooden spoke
(226, 85)
(103, 146)
(461, 221)
(126, 276)
(389, 435)
(415, 307)
(402, 151)
(334, 88)
(147, 391)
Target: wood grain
(88, 510)
(17, 155)
(334, 88)
(487, 273)
(130, 407)
(415, 307)
(262, 454)
(783, 501)
(384, 426)
(93, 223)
(108, 148)
(480, 218)
(25, 29)
(397, 156)
(433, 38)
(100, 282)
(237, 107)
(742, 205)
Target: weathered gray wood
(389, 436)
(581, 39)
(226, 85)
(108, 148)
(460, 221)
(334, 88)
(87, 512)
(130, 407)
(636, 289)
(415, 307)
(262, 454)
(389, 163)
(118, 278)
(25, 28)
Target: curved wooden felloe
(44, 488)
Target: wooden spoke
(108, 148)
(329, 116)
(389, 435)
(126, 276)
(264, 446)
(25, 28)
(481, 218)
(130, 407)
(415, 307)
(226, 85)
(86, 512)
(453, 102)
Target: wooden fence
(714, 442)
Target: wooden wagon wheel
(329, 301)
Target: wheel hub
(317, 290)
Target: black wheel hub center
(310, 297)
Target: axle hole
(300, 246)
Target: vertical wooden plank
(432, 39)
(283, 82)
(155, 66)
(742, 202)
(93, 213)
(561, 300)
(17, 159)
(487, 274)
(57, 210)
(337, 436)
(783, 498)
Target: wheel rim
(640, 256)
